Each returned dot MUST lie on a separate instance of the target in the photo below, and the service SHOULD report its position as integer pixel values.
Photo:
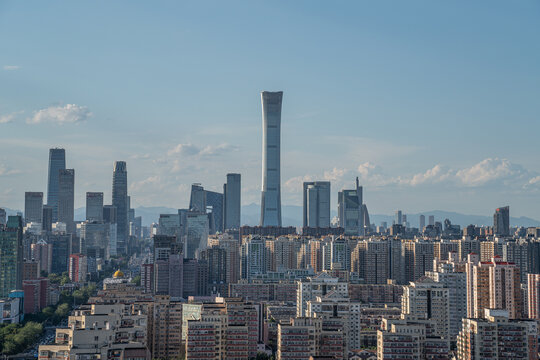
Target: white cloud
(68, 114)
(4, 119)
(11, 67)
(490, 170)
(152, 181)
(433, 175)
(194, 150)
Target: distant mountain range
(292, 216)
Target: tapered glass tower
(57, 162)
(271, 174)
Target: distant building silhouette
(317, 204)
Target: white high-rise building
(271, 174)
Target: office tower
(94, 206)
(42, 252)
(496, 337)
(214, 203)
(11, 256)
(398, 217)
(168, 266)
(396, 263)
(517, 252)
(431, 220)
(3, 218)
(428, 300)
(66, 199)
(493, 284)
(422, 222)
(61, 249)
(271, 166)
(447, 274)
(370, 260)
(33, 207)
(232, 202)
(109, 217)
(57, 162)
(501, 221)
(47, 218)
(533, 294)
(120, 200)
(216, 258)
(350, 214)
(169, 224)
(317, 204)
(196, 234)
(95, 239)
(195, 279)
(366, 222)
(197, 200)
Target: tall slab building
(317, 204)
(271, 174)
(232, 202)
(66, 198)
(57, 162)
(33, 207)
(350, 210)
(120, 201)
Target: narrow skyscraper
(271, 175)
(120, 201)
(501, 221)
(350, 215)
(317, 204)
(33, 207)
(57, 162)
(232, 202)
(11, 256)
(66, 198)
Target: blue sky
(433, 104)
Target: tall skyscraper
(350, 214)
(47, 218)
(57, 162)
(431, 220)
(109, 217)
(33, 207)
(66, 198)
(422, 222)
(317, 204)
(398, 219)
(11, 256)
(214, 203)
(120, 200)
(271, 174)
(94, 206)
(232, 202)
(197, 200)
(501, 221)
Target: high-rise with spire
(271, 174)
(120, 201)
(57, 162)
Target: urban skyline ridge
(293, 214)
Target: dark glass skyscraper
(317, 204)
(120, 200)
(57, 162)
(501, 221)
(271, 173)
(231, 202)
(11, 256)
(66, 199)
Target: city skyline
(441, 143)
